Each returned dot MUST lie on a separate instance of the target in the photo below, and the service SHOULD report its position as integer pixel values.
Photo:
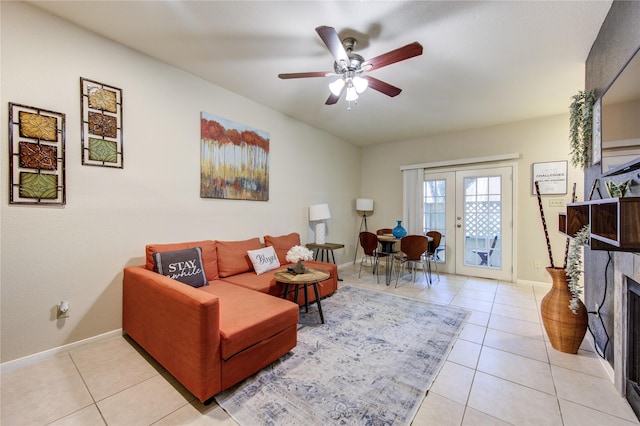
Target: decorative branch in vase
(564, 316)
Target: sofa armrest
(177, 325)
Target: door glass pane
(482, 221)
(435, 212)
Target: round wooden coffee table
(310, 277)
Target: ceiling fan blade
(305, 74)
(397, 55)
(333, 99)
(383, 87)
(334, 44)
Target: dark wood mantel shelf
(614, 222)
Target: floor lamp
(363, 205)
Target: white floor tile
(43, 393)
(522, 328)
(519, 345)
(473, 333)
(513, 403)
(453, 382)
(196, 414)
(438, 410)
(518, 369)
(591, 391)
(144, 403)
(578, 415)
(465, 353)
(476, 418)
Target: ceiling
(484, 62)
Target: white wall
(537, 140)
(77, 252)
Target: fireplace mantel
(625, 265)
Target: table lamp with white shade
(363, 205)
(318, 213)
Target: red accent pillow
(282, 244)
(233, 258)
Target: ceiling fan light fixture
(336, 86)
(352, 94)
(360, 84)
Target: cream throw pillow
(263, 260)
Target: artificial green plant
(574, 266)
(581, 128)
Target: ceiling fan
(351, 67)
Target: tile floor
(501, 371)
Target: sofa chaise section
(200, 336)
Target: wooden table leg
(306, 299)
(315, 289)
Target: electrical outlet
(536, 264)
(556, 202)
(63, 310)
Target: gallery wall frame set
(101, 132)
(36, 155)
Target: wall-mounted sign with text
(551, 177)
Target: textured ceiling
(484, 63)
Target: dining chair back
(384, 231)
(413, 248)
(369, 244)
(433, 250)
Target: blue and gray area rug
(371, 363)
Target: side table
(323, 251)
(310, 277)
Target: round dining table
(387, 247)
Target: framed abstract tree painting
(36, 155)
(234, 160)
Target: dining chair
(432, 252)
(485, 255)
(413, 248)
(384, 231)
(369, 244)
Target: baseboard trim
(50, 353)
(534, 283)
(605, 364)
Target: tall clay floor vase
(564, 328)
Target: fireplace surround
(626, 360)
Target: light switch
(556, 202)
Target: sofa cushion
(282, 244)
(182, 265)
(263, 283)
(233, 258)
(263, 259)
(209, 255)
(248, 317)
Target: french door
(473, 209)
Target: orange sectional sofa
(212, 337)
